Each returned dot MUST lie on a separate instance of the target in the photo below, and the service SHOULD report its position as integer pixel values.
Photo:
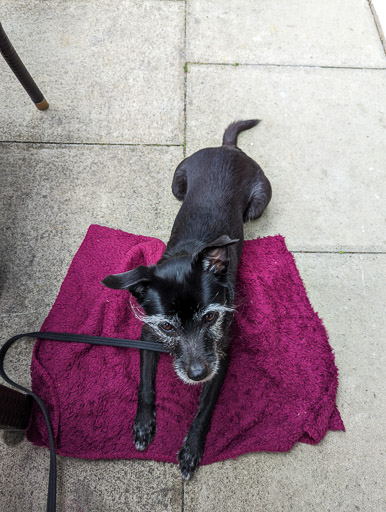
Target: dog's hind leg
(260, 196)
(180, 182)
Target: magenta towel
(280, 387)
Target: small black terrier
(188, 296)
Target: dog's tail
(231, 133)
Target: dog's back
(221, 188)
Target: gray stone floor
(133, 86)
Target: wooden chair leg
(15, 409)
(21, 73)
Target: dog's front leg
(191, 452)
(144, 424)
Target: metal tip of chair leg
(43, 105)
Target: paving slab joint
(273, 65)
(122, 144)
(185, 77)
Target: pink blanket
(280, 387)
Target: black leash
(79, 338)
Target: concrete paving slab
(316, 32)
(85, 485)
(321, 143)
(111, 73)
(131, 485)
(346, 471)
(52, 193)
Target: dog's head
(187, 304)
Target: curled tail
(231, 133)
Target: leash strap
(78, 338)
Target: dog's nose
(197, 372)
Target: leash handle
(79, 338)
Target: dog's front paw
(144, 431)
(189, 458)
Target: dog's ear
(214, 256)
(136, 281)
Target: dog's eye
(209, 317)
(165, 326)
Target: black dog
(188, 296)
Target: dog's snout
(197, 372)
